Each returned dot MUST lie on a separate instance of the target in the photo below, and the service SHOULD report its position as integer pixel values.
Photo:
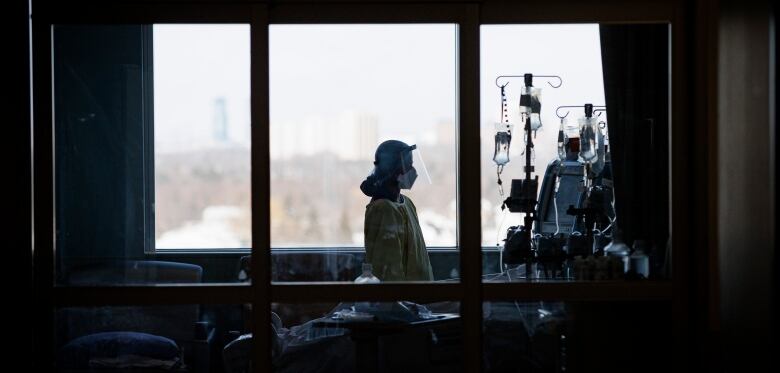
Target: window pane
(367, 337)
(336, 93)
(178, 338)
(599, 175)
(136, 111)
(201, 136)
(576, 336)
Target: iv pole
(526, 77)
(590, 109)
(587, 213)
(596, 108)
(529, 187)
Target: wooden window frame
(470, 292)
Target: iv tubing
(500, 248)
(555, 205)
(612, 220)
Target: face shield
(412, 165)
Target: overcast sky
(571, 51)
(404, 74)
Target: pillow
(79, 352)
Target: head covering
(390, 159)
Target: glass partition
(152, 152)
(560, 336)
(367, 337)
(177, 338)
(363, 129)
(575, 152)
(201, 137)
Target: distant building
(358, 136)
(350, 136)
(220, 126)
(445, 132)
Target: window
(572, 52)
(320, 98)
(201, 137)
(581, 206)
(336, 93)
(152, 144)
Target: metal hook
(499, 85)
(560, 81)
(602, 124)
(567, 112)
(600, 108)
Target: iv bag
(571, 129)
(562, 141)
(598, 165)
(531, 106)
(536, 121)
(602, 140)
(589, 134)
(503, 140)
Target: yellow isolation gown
(395, 246)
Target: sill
(171, 252)
(247, 251)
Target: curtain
(636, 65)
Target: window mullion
(469, 209)
(43, 191)
(261, 189)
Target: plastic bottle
(368, 276)
(639, 261)
(618, 252)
